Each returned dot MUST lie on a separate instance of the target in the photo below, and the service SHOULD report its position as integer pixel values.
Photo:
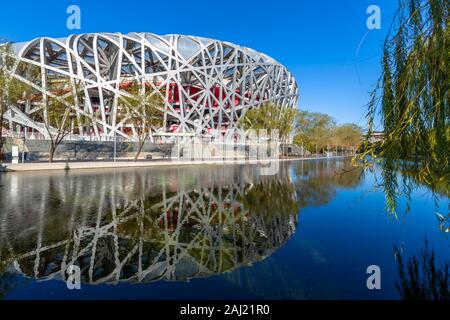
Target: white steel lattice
(208, 84)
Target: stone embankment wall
(38, 150)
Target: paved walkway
(34, 166)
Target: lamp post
(23, 149)
(115, 148)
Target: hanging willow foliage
(412, 98)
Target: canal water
(211, 232)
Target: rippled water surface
(208, 232)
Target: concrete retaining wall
(38, 150)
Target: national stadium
(207, 84)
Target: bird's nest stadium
(208, 85)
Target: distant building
(376, 136)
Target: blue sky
(316, 40)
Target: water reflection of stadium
(145, 225)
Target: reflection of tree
(422, 279)
(8, 281)
(148, 225)
(317, 181)
(271, 197)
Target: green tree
(12, 90)
(143, 106)
(348, 135)
(314, 130)
(270, 116)
(412, 97)
(58, 114)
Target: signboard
(15, 151)
(15, 154)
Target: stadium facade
(208, 85)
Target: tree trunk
(51, 153)
(1, 134)
(1, 147)
(141, 145)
